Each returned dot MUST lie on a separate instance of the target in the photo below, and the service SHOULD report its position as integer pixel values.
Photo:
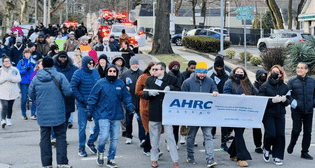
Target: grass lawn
(169, 58)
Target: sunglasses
(112, 71)
(155, 69)
(91, 63)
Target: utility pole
(67, 10)
(49, 2)
(45, 13)
(36, 12)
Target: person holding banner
(199, 82)
(302, 89)
(274, 118)
(240, 84)
(164, 82)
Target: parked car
(226, 34)
(177, 39)
(193, 32)
(209, 33)
(282, 39)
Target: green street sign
(244, 12)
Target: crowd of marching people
(112, 93)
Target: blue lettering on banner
(191, 104)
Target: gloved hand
(89, 117)
(294, 104)
(167, 88)
(276, 99)
(282, 98)
(28, 68)
(153, 93)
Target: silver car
(282, 39)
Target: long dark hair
(148, 68)
(246, 85)
(281, 70)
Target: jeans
(82, 122)
(108, 128)
(6, 109)
(275, 135)
(207, 139)
(24, 100)
(298, 120)
(155, 133)
(61, 144)
(129, 119)
(238, 146)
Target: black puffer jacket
(272, 88)
(303, 91)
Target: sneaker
(142, 143)
(91, 148)
(266, 155)
(306, 156)
(24, 117)
(176, 165)
(53, 142)
(242, 163)
(182, 140)
(196, 144)
(154, 164)
(3, 123)
(82, 153)
(33, 117)
(111, 163)
(128, 141)
(258, 150)
(211, 163)
(224, 148)
(100, 159)
(70, 125)
(9, 122)
(191, 160)
(147, 153)
(290, 148)
(64, 166)
(277, 161)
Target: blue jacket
(16, 54)
(68, 70)
(229, 88)
(105, 100)
(48, 98)
(114, 46)
(3, 50)
(83, 81)
(26, 75)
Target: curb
(151, 56)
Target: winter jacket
(228, 88)
(105, 100)
(101, 48)
(37, 55)
(83, 81)
(16, 54)
(218, 80)
(127, 56)
(193, 84)
(144, 104)
(51, 31)
(9, 83)
(68, 70)
(50, 104)
(22, 67)
(3, 50)
(272, 88)
(186, 74)
(85, 48)
(303, 91)
(155, 104)
(114, 46)
(43, 47)
(71, 47)
(101, 71)
(179, 77)
(130, 78)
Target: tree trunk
(193, 4)
(225, 14)
(6, 24)
(275, 13)
(203, 11)
(299, 10)
(179, 4)
(162, 44)
(290, 15)
(23, 15)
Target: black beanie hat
(218, 61)
(103, 56)
(54, 47)
(31, 44)
(48, 62)
(62, 54)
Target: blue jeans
(71, 118)
(141, 132)
(24, 99)
(61, 145)
(82, 121)
(108, 128)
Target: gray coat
(50, 104)
(193, 84)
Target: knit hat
(103, 56)
(18, 40)
(201, 67)
(83, 38)
(112, 36)
(30, 44)
(41, 35)
(54, 47)
(172, 64)
(218, 61)
(134, 60)
(62, 54)
(48, 62)
(192, 62)
(93, 54)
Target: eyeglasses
(112, 71)
(91, 63)
(155, 69)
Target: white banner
(110, 55)
(202, 109)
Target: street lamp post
(222, 25)
(154, 3)
(229, 23)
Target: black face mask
(175, 71)
(274, 75)
(239, 76)
(263, 78)
(111, 78)
(220, 72)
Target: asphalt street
(19, 147)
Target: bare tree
(275, 13)
(290, 14)
(177, 6)
(203, 11)
(193, 6)
(9, 6)
(299, 10)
